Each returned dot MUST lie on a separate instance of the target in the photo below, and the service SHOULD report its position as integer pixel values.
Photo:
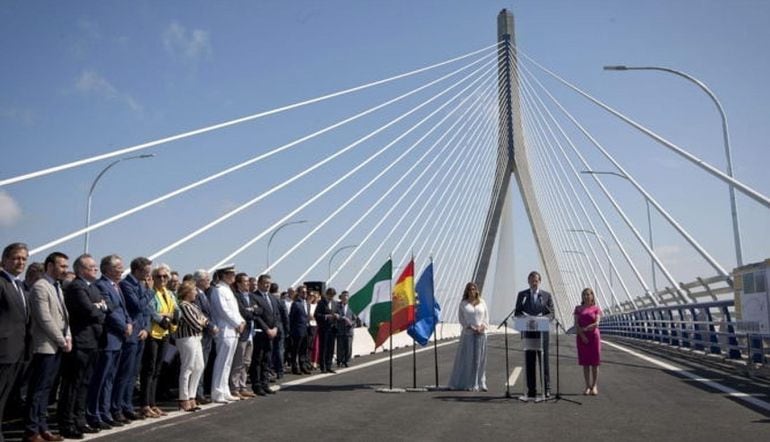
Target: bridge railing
(708, 329)
(715, 288)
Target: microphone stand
(558, 396)
(507, 369)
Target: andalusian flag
(404, 300)
(373, 304)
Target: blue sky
(82, 78)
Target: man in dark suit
(326, 316)
(276, 359)
(87, 310)
(117, 327)
(535, 302)
(345, 325)
(298, 324)
(266, 323)
(14, 320)
(138, 298)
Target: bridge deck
(638, 400)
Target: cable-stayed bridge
(421, 166)
(438, 163)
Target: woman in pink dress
(587, 316)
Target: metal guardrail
(706, 328)
(715, 288)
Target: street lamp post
(649, 220)
(270, 241)
(93, 186)
(335, 254)
(725, 138)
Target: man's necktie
(18, 284)
(57, 285)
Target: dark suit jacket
(299, 318)
(14, 323)
(347, 321)
(86, 319)
(248, 312)
(270, 314)
(117, 318)
(137, 305)
(525, 304)
(325, 307)
(203, 302)
(283, 315)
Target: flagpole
(390, 328)
(414, 343)
(435, 337)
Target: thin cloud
(192, 44)
(91, 83)
(10, 212)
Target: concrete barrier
(363, 344)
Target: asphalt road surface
(641, 397)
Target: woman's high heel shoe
(186, 405)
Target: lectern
(540, 324)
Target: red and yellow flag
(404, 300)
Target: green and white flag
(373, 302)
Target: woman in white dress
(469, 372)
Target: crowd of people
(87, 338)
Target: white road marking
(746, 397)
(514, 376)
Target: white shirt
(473, 315)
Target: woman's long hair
(468, 296)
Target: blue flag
(428, 309)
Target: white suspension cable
(533, 105)
(142, 146)
(403, 176)
(586, 191)
(407, 211)
(453, 205)
(406, 174)
(564, 202)
(620, 211)
(746, 190)
(294, 178)
(311, 200)
(467, 230)
(566, 263)
(459, 261)
(235, 168)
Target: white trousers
(191, 366)
(220, 388)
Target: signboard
(752, 299)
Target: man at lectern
(535, 302)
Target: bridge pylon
(499, 282)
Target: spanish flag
(404, 300)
